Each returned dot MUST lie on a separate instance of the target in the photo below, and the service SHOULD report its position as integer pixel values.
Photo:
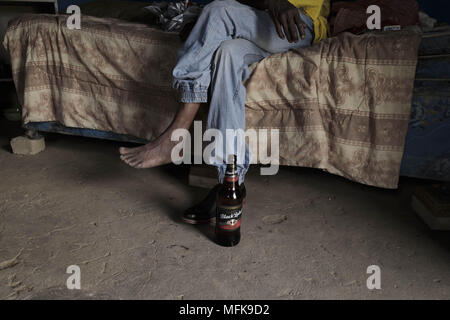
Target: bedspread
(110, 75)
(342, 105)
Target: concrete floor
(77, 204)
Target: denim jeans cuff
(191, 92)
(193, 97)
(241, 173)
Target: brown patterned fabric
(111, 75)
(342, 105)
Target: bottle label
(231, 178)
(228, 217)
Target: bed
(352, 117)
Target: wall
(63, 4)
(438, 9)
(11, 10)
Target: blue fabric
(427, 148)
(226, 39)
(53, 126)
(434, 68)
(435, 43)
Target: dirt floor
(306, 234)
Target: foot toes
(145, 156)
(124, 158)
(132, 159)
(124, 150)
(135, 162)
(127, 159)
(139, 165)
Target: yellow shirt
(318, 11)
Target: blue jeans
(226, 39)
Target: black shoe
(205, 211)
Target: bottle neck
(231, 178)
(231, 181)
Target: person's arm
(285, 16)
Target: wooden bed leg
(203, 176)
(29, 144)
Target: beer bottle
(229, 209)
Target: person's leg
(220, 21)
(227, 104)
(226, 111)
(158, 152)
(224, 20)
(229, 70)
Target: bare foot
(158, 152)
(153, 154)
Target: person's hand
(286, 18)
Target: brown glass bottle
(229, 209)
